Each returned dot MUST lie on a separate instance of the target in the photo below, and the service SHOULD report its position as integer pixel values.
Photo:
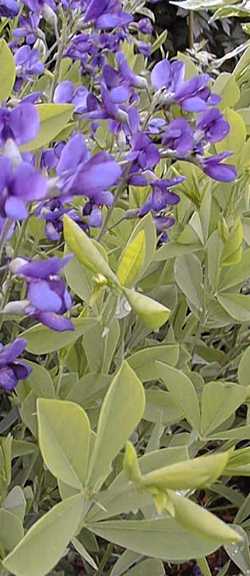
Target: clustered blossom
(75, 175)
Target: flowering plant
(124, 244)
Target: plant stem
(105, 559)
(191, 29)
(118, 193)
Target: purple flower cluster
(77, 175)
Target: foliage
(125, 305)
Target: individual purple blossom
(144, 156)
(192, 95)
(38, 6)
(214, 167)
(161, 196)
(47, 297)
(21, 124)
(178, 136)
(27, 28)
(145, 26)
(212, 125)
(107, 14)
(9, 8)
(11, 368)
(66, 92)
(81, 174)
(19, 186)
(28, 62)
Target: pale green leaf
(244, 368)
(46, 541)
(118, 418)
(182, 391)
(152, 313)
(143, 361)
(64, 435)
(188, 274)
(131, 261)
(11, 529)
(53, 119)
(162, 538)
(219, 401)
(236, 305)
(42, 340)
(7, 70)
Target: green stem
(191, 29)
(61, 47)
(118, 193)
(204, 567)
(105, 559)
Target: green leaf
(232, 251)
(214, 252)
(83, 552)
(182, 391)
(159, 41)
(143, 361)
(237, 305)
(188, 274)
(85, 250)
(89, 388)
(46, 541)
(151, 312)
(127, 559)
(244, 368)
(40, 381)
(5, 465)
(236, 274)
(160, 407)
(162, 538)
(7, 70)
(64, 435)
(42, 340)
(11, 530)
(131, 261)
(219, 401)
(240, 555)
(79, 279)
(53, 119)
(147, 567)
(227, 88)
(16, 503)
(118, 418)
(237, 135)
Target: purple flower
(192, 95)
(145, 26)
(178, 136)
(213, 126)
(27, 28)
(18, 187)
(79, 174)
(20, 124)
(169, 75)
(161, 196)
(9, 8)
(213, 167)
(12, 369)
(28, 62)
(66, 92)
(47, 295)
(39, 5)
(107, 14)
